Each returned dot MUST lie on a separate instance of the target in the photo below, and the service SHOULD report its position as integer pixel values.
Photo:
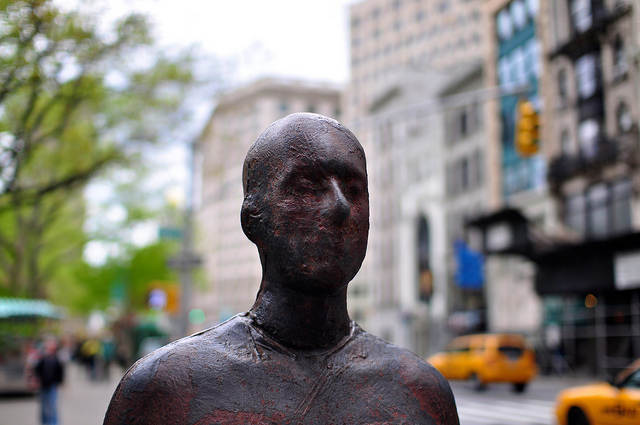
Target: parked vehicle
(603, 403)
(487, 358)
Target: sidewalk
(81, 402)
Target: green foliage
(74, 102)
(99, 286)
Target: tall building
(583, 266)
(466, 196)
(231, 263)
(514, 65)
(592, 142)
(388, 35)
(426, 175)
(401, 51)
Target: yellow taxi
(486, 358)
(603, 403)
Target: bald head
(295, 132)
(306, 198)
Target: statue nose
(341, 208)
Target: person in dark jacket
(50, 373)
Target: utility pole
(187, 259)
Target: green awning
(28, 308)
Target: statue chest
(283, 392)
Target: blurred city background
(503, 148)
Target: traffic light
(527, 129)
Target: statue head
(306, 202)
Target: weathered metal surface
(295, 357)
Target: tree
(73, 102)
(126, 278)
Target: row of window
(462, 42)
(588, 71)
(441, 6)
(582, 13)
(604, 209)
(463, 122)
(522, 64)
(285, 108)
(434, 29)
(465, 173)
(515, 17)
(590, 132)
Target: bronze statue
(295, 357)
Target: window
(479, 161)
(518, 68)
(598, 210)
(587, 75)
(621, 206)
(533, 58)
(581, 15)
(463, 123)
(465, 175)
(588, 134)
(620, 64)
(503, 72)
(623, 118)
(633, 381)
(574, 214)
(519, 13)
(563, 92)
(532, 8)
(505, 25)
(565, 143)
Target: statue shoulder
(162, 381)
(413, 376)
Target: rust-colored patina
(295, 357)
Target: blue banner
(470, 266)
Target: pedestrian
(50, 373)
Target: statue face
(316, 213)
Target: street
(498, 405)
(83, 402)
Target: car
(603, 403)
(487, 358)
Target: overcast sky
(299, 38)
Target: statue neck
(300, 320)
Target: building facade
(466, 196)
(400, 52)
(231, 263)
(593, 148)
(514, 65)
(426, 172)
(388, 35)
(573, 243)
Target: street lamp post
(187, 259)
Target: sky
(302, 39)
(296, 38)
